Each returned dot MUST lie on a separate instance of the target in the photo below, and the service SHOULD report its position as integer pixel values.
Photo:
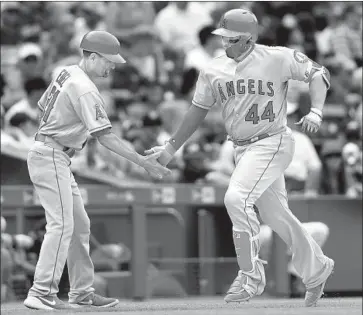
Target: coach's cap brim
(227, 33)
(114, 58)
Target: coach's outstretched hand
(153, 167)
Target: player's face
(101, 66)
(230, 41)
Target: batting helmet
(238, 22)
(103, 43)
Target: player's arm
(297, 66)
(203, 100)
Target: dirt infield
(211, 306)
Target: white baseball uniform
(72, 109)
(252, 95)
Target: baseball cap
(29, 49)
(103, 43)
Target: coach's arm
(190, 123)
(124, 148)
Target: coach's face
(100, 66)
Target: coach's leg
(49, 172)
(80, 266)
(257, 168)
(307, 257)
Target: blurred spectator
(347, 39)
(307, 26)
(209, 47)
(58, 50)
(352, 161)
(90, 17)
(353, 100)
(170, 113)
(304, 172)
(124, 16)
(30, 61)
(22, 128)
(187, 87)
(6, 267)
(179, 22)
(7, 141)
(145, 54)
(29, 105)
(11, 23)
(15, 265)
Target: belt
(54, 144)
(254, 139)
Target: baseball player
(249, 82)
(72, 109)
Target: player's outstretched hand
(310, 122)
(155, 149)
(153, 167)
(165, 156)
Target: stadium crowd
(165, 45)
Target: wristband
(317, 111)
(169, 148)
(165, 158)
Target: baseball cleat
(47, 303)
(314, 294)
(94, 300)
(237, 291)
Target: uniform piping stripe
(244, 210)
(100, 128)
(201, 105)
(60, 240)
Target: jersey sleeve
(90, 110)
(296, 66)
(203, 96)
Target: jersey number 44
(268, 113)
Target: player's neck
(249, 49)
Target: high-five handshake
(166, 153)
(151, 165)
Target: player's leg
(266, 238)
(257, 168)
(50, 174)
(307, 257)
(319, 231)
(80, 265)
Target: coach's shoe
(47, 303)
(94, 300)
(312, 295)
(237, 291)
